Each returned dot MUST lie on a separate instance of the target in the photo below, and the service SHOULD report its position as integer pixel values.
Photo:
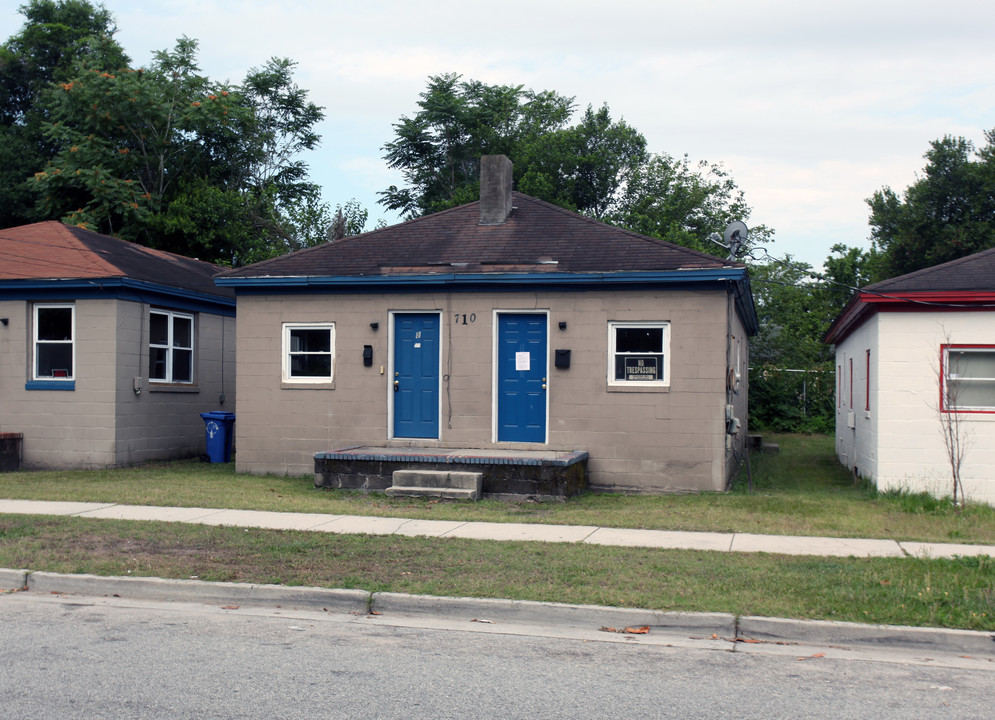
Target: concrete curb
(528, 612)
(153, 588)
(847, 634)
(523, 612)
(13, 579)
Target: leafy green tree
(947, 213)
(438, 149)
(56, 35)
(792, 373)
(166, 157)
(583, 167)
(672, 199)
(793, 314)
(845, 270)
(128, 141)
(599, 166)
(348, 220)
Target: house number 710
(461, 319)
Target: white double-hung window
(308, 352)
(54, 342)
(968, 378)
(639, 354)
(171, 336)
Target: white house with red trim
(911, 351)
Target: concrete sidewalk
(372, 525)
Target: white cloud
(810, 107)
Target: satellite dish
(735, 236)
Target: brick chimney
(495, 189)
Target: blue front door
(521, 380)
(416, 375)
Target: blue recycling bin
(220, 429)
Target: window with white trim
(54, 342)
(308, 352)
(639, 354)
(968, 378)
(171, 337)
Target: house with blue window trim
(108, 350)
(504, 325)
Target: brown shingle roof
(967, 282)
(537, 237)
(53, 251)
(971, 273)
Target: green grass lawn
(799, 491)
(956, 593)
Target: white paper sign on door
(523, 361)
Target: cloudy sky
(811, 107)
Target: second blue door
(416, 375)
(521, 378)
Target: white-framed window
(54, 341)
(308, 352)
(639, 354)
(171, 336)
(968, 378)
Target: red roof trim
(932, 296)
(865, 304)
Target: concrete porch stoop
(450, 485)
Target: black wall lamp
(563, 325)
(374, 326)
(4, 321)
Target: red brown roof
(53, 251)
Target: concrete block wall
(102, 422)
(13, 368)
(902, 447)
(857, 446)
(912, 454)
(163, 422)
(639, 439)
(62, 428)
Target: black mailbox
(368, 355)
(562, 359)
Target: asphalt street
(80, 656)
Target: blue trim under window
(50, 385)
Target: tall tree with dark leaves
(583, 167)
(947, 213)
(169, 158)
(56, 35)
(438, 149)
(684, 203)
(598, 166)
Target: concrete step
(443, 493)
(436, 483)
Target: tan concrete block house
(503, 327)
(108, 350)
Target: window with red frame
(867, 383)
(968, 378)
